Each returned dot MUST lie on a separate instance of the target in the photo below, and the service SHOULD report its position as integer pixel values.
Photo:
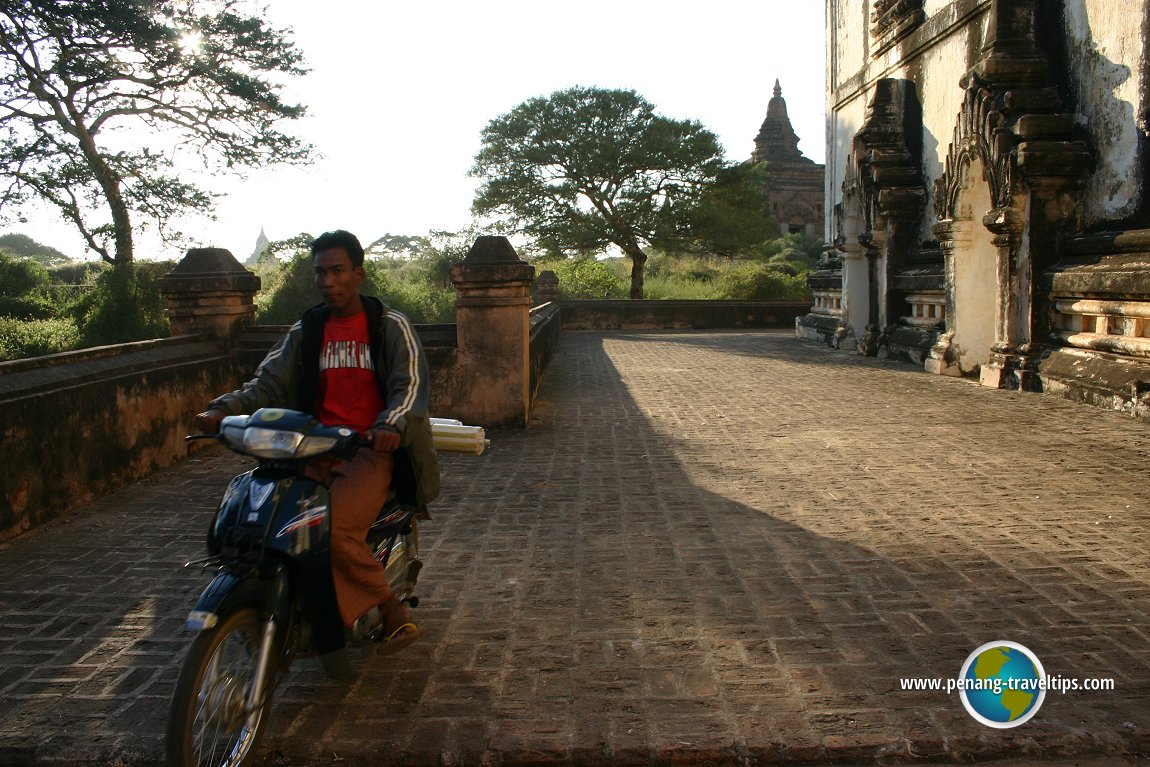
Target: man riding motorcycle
(351, 361)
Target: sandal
(400, 638)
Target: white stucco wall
(848, 28)
(1105, 51)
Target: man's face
(339, 281)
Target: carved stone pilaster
(953, 236)
(1011, 366)
(870, 341)
(492, 309)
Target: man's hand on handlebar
(383, 440)
(208, 422)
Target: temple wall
(1110, 98)
(952, 36)
(994, 221)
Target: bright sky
(399, 92)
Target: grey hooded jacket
(289, 377)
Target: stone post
(546, 286)
(492, 310)
(210, 293)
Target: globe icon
(1002, 684)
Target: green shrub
(75, 273)
(682, 288)
(761, 281)
(20, 276)
(20, 338)
(26, 308)
(124, 306)
(587, 278)
(421, 301)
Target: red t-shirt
(348, 392)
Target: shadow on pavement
(720, 548)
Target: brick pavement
(708, 548)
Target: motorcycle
(273, 599)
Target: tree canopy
(96, 94)
(25, 247)
(585, 168)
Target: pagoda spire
(777, 142)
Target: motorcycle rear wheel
(209, 724)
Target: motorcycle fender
(229, 588)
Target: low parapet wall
(544, 341)
(696, 315)
(80, 424)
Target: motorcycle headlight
(314, 446)
(271, 443)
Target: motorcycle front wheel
(210, 723)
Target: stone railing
(828, 303)
(1100, 322)
(927, 309)
(1120, 327)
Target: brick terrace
(708, 548)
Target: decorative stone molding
(892, 20)
(1119, 327)
(828, 303)
(976, 135)
(824, 322)
(1100, 296)
(1011, 118)
(1100, 307)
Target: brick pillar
(546, 286)
(492, 308)
(210, 293)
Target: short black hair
(340, 238)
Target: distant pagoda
(794, 183)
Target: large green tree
(585, 168)
(95, 95)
